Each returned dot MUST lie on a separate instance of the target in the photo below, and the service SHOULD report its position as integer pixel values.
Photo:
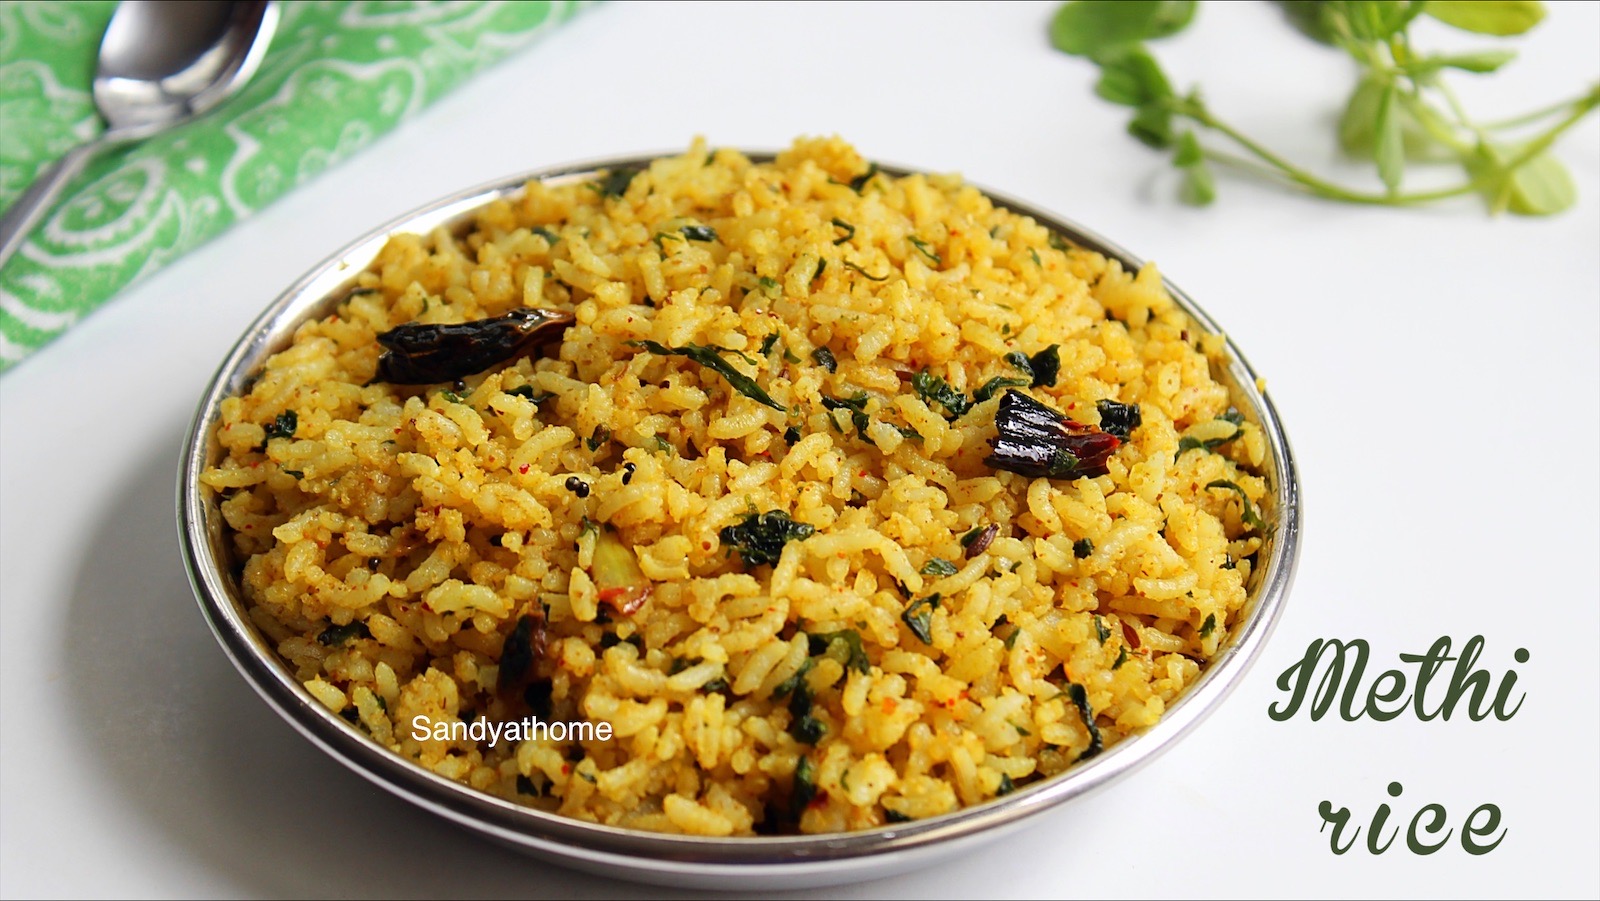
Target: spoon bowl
(161, 63)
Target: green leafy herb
(334, 636)
(1122, 657)
(298, 474)
(824, 358)
(822, 266)
(1080, 699)
(615, 182)
(791, 435)
(1046, 365)
(844, 646)
(527, 392)
(918, 616)
(789, 685)
(770, 285)
(1006, 785)
(1100, 631)
(857, 405)
(699, 233)
(586, 776)
(1401, 108)
(767, 342)
(761, 536)
(926, 249)
(1208, 626)
(895, 816)
(938, 566)
(1082, 548)
(1248, 513)
(849, 231)
(662, 444)
(452, 397)
(549, 236)
(808, 729)
(865, 274)
(935, 390)
(711, 358)
(992, 387)
(1021, 363)
(598, 439)
(804, 789)
(283, 426)
(860, 181)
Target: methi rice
(391, 538)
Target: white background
(1437, 372)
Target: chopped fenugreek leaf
(333, 636)
(710, 356)
(918, 616)
(1080, 698)
(804, 788)
(1118, 419)
(767, 343)
(824, 358)
(927, 250)
(849, 231)
(860, 181)
(1122, 657)
(1006, 785)
(598, 439)
(761, 536)
(615, 182)
(1046, 366)
(527, 392)
(1020, 361)
(853, 654)
(935, 390)
(865, 274)
(283, 426)
(1100, 630)
(1207, 627)
(770, 285)
(549, 236)
(699, 233)
(791, 435)
(895, 816)
(1248, 513)
(938, 566)
(993, 386)
(1082, 548)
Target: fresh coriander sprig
(1401, 111)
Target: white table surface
(1437, 372)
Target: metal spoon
(162, 63)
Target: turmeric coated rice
(745, 510)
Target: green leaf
(1307, 18)
(1198, 187)
(1153, 126)
(1188, 151)
(1092, 27)
(1481, 62)
(1355, 126)
(1542, 187)
(1497, 17)
(1132, 77)
(1539, 187)
(1375, 20)
(1389, 147)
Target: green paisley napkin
(338, 75)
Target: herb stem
(1307, 181)
(1543, 112)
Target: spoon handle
(28, 209)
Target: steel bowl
(742, 863)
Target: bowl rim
(609, 846)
